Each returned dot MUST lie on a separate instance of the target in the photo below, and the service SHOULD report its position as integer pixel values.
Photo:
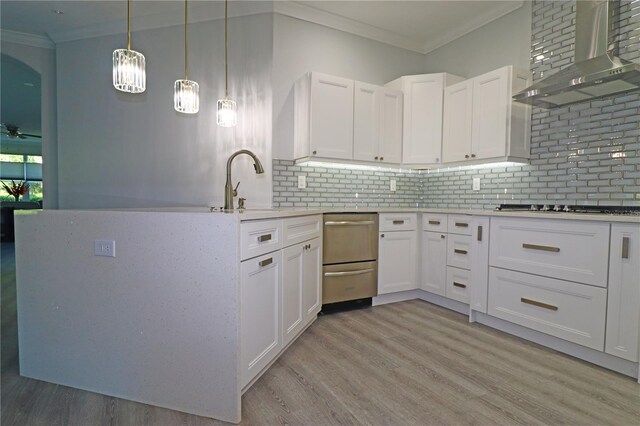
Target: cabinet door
(312, 280)
(397, 261)
(422, 138)
(331, 117)
(623, 315)
(365, 122)
(390, 125)
(260, 332)
(491, 108)
(479, 278)
(434, 262)
(292, 291)
(457, 122)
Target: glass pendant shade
(226, 112)
(129, 73)
(186, 96)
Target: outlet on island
(104, 248)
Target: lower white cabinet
(623, 309)
(260, 294)
(458, 281)
(434, 262)
(397, 255)
(479, 280)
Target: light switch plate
(104, 248)
(302, 181)
(476, 184)
(392, 185)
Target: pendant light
(186, 92)
(129, 73)
(226, 107)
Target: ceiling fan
(13, 131)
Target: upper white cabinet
(324, 117)
(481, 122)
(377, 130)
(422, 121)
(623, 315)
(345, 120)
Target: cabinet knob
(466, 156)
(381, 158)
(315, 152)
(442, 236)
(381, 235)
(473, 156)
(375, 158)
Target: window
(18, 167)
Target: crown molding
(320, 17)
(33, 40)
(471, 25)
(198, 12)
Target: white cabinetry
(481, 122)
(623, 310)
(397, 253)
(434, 253)
(479, 281)
(458, 285)
(260, 293)
(280, 291)
(324, 117)
(377, 132)
(422, 118)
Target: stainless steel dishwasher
(350, 252)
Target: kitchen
(558, 173)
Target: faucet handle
(235, 190)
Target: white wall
(124, 150)
(505, 41)
(300, 46)
(43, 61)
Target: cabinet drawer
(458, 284)
(434, 222)
(570, 311)
(298, 229)
(459, 251)
(398, 222)
(459, 224)
(260, 237)
(569, 250)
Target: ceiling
(420, 26)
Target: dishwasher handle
(345, 273)
(348, 222)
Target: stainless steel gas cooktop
(559, 208)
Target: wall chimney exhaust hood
(596, 71)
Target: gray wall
(300, 46)
(44, 62)
(504, 41)
(123, 150)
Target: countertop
(257, 214)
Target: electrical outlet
(104, 248)
(476, 184)
(392, 185)
(302, 181)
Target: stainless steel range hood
(596, 71)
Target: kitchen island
(160, 322)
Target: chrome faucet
(228, 186)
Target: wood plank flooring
(408, 363)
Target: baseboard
(400, 296)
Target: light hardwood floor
(409, 363)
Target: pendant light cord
(186, 57)
(128, 24)
(226, 61)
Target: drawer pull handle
(539, 304)
(543, 248)
(263, 238)
(434, 222)
(345, 273)
(348, 222)
(459, 285)
(265, 262)
(398, 222)
(479, 233)
(625, 247)
(462, 225)
(459, 251)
